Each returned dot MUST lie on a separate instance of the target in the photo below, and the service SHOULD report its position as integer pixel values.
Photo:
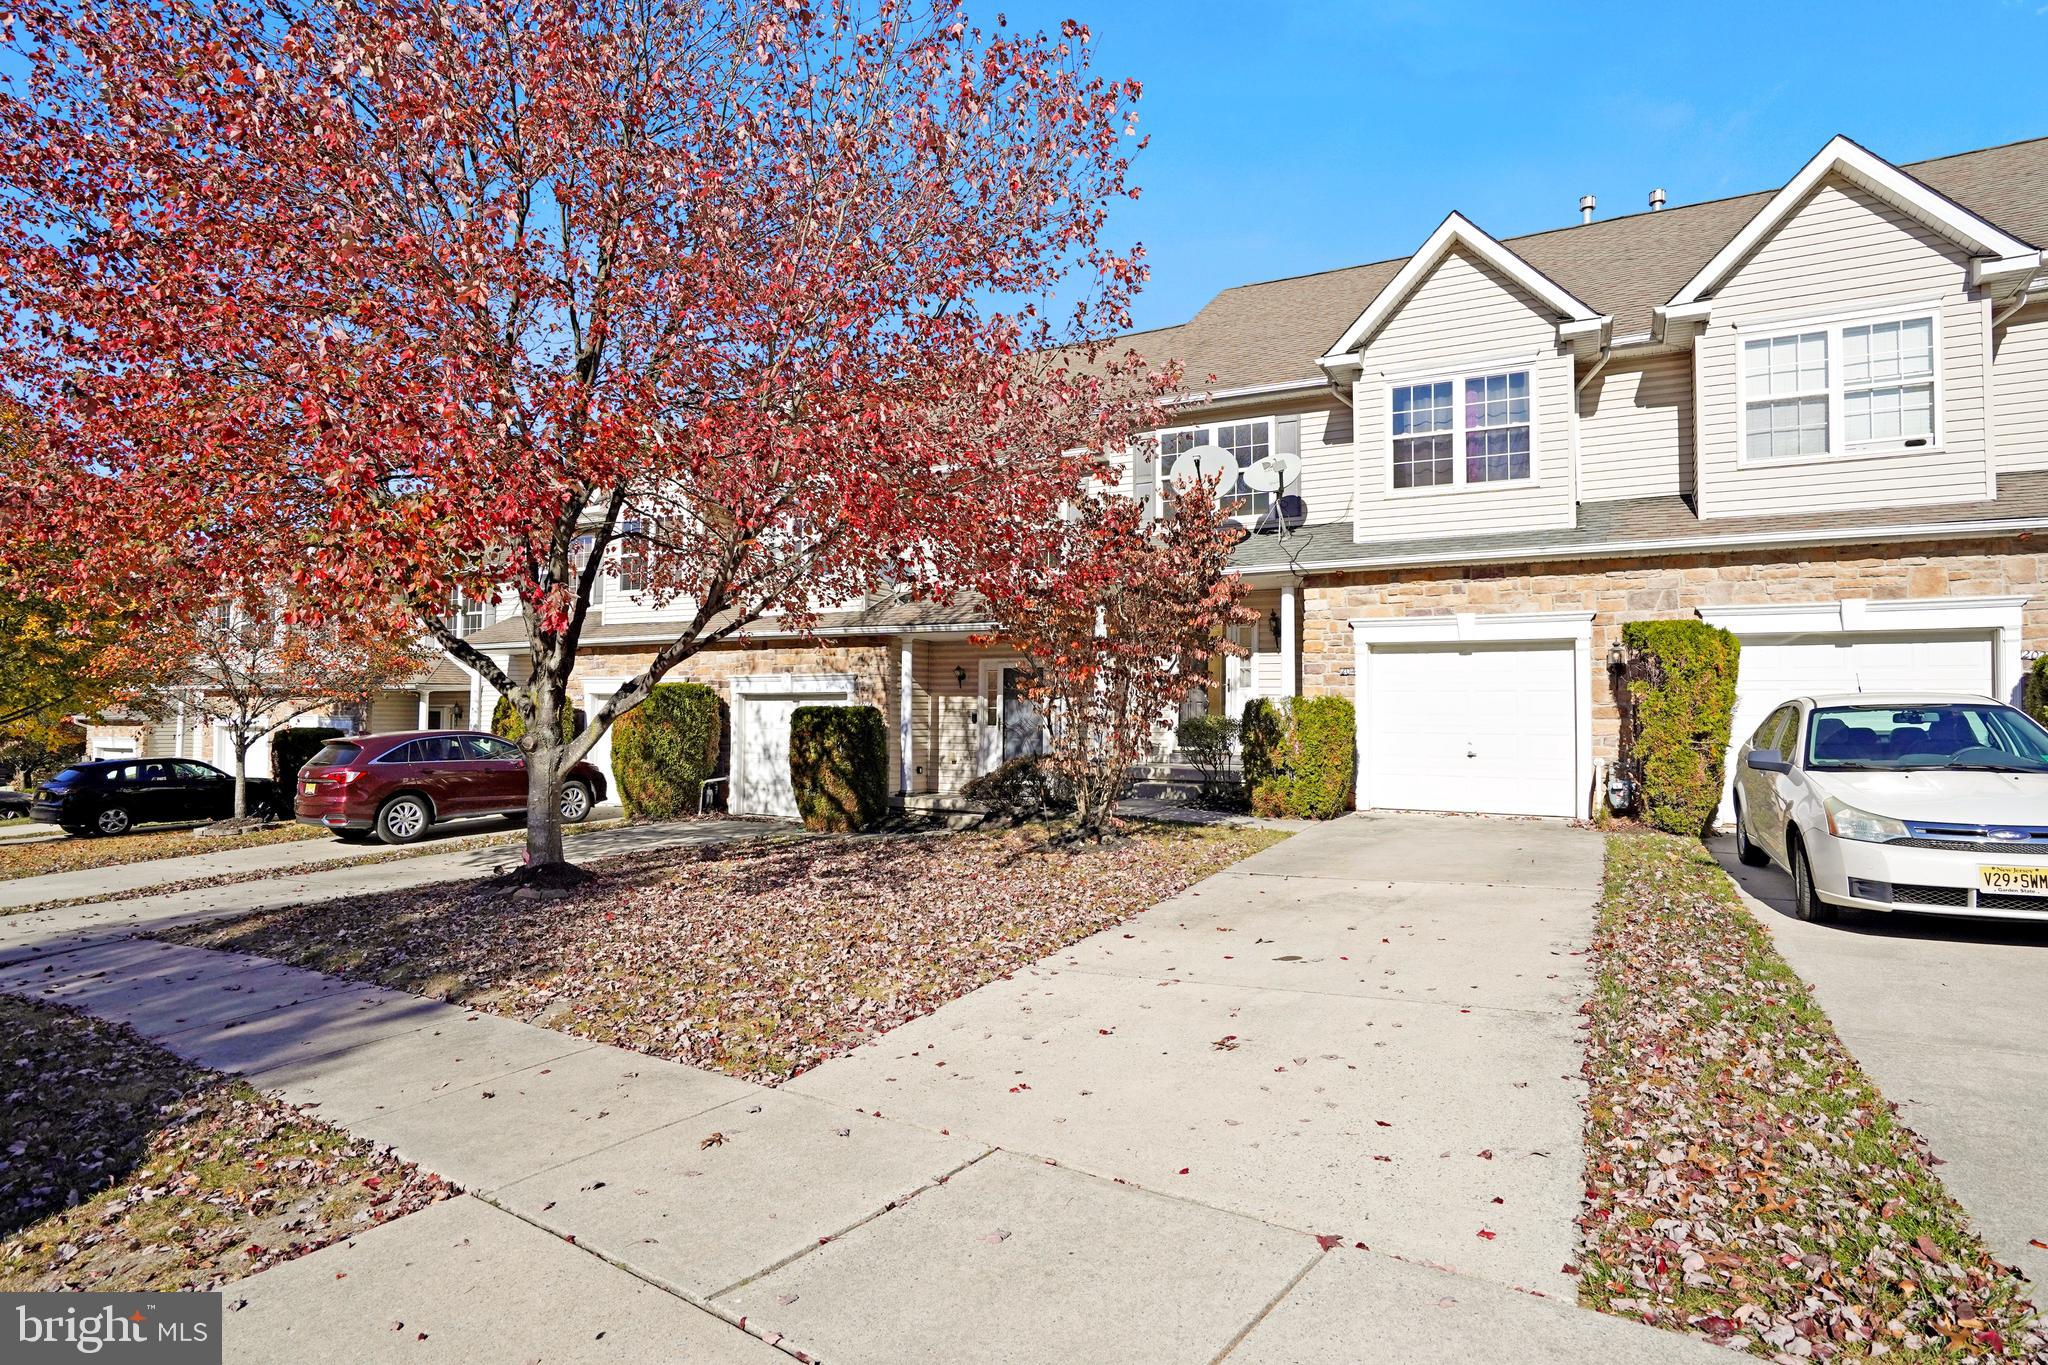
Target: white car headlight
(1847, 822)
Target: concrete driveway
(1946, 1016)
(1369, 1030)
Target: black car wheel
(1749, 853)
(112, 820)
(1806, 901)
(403, 819)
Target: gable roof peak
(1454, 233)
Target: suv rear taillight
(339, 779)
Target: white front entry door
(760, 769)
(1772, 671)
(1479, 728)
(1012, 726)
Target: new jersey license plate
(2014, 881)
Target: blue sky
(1294, 137)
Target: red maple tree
(1118, 623)
(783, 303)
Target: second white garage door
(1490, 729)
(760, 740)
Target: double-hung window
(465, 614)
(633, 557)
(1243, 443)
(1459, 432)
(1842, 389)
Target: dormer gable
(1457, 235)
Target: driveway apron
(1370, 1030)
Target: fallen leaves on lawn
(73, 854)
(759, 959)
(127, 1168)
(1745, 1180)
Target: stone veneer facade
(1639, 589)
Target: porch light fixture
(1273, 619)
(960, 675)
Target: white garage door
(760, 770)
(1482, 728)
(1775, 669)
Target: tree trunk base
(552, 879)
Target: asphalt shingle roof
(1273, 332)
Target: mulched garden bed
(1745, 1180)
(126, 1168)
(759, 959)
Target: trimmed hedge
(1259, 736)
(506, 722)
(1306, 757)
(2034, 691)
(664, 749)
(290, 749)
(1680, 705)
(839, 766)
(1018, 789)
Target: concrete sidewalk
(30, 933)
(1942, 1014)
(125, 878)
(625, 1208)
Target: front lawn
(74, 854)
(1745, 1180)
(128, 1169)
(759, 959)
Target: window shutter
(1287, 435)
(1144, 471)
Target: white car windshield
(1984, 738)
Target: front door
(1023, 723)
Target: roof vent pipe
(1656, 200)
(1586, 203)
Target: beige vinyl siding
(393, 710)
(1464, 318)
(1635, 430)
(160, 740)
(1327, 462)
(2019, 388)
(1844, 254)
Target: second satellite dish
(1274, 473)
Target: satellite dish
(1273, 473)
(1203, 464)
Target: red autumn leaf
(1327, 1240)
(1488, 1234)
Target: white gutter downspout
(2019, 300)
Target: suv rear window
(334, 754)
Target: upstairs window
(465, 614)
(1850, 388)
(1246, 443)
(1451, 433)
(633, 566)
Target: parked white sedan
(1926, 802)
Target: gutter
(1636, 548)
(748, 636)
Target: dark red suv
(397, 787)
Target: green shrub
(1308, 773)
(2034, 691)
(1260, 735)
(1679, 702)
(291, 748)
(1017, 790)
(1209, 743)
(507, 724)
(665, 748)
(839, 766)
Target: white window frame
(461, 608)
(1836, 391)
(1163, 489)
(1457, 379)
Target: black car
(113, 797)
(13, 804)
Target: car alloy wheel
(113, 820)
(403, 820)
(575, 801)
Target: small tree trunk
(543, 745)
(241, 775)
